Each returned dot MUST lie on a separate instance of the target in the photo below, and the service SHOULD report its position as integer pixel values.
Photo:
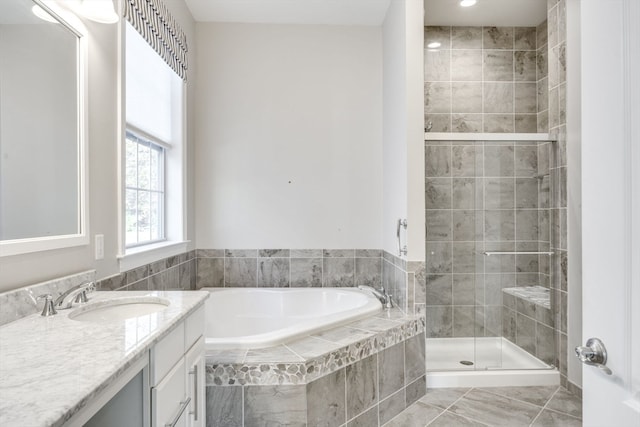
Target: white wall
(288, 136)
(403, 146)
(22, 270)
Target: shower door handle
(594, 353)
(402, 250)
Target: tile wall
(482, 196)
(368, 392)
(542, 77)
(557, 35)
(483, 79)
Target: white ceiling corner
(320, 12)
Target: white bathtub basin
(260, 317)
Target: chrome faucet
(76, 294)
(381, 294)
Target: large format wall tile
(275, 405)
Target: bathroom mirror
(42, 127)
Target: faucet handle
(48, 309)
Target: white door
(610, 45)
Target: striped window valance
(154, 22)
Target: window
(152, 178)
(144, 191)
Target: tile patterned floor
(495, 406)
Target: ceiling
(327, 12)
(498, 13)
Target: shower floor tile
(493, 406)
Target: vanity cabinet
(177, 375)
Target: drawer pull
(194, 372)
(183, 406)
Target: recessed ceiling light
(467, 3)
(433, 45)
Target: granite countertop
(51, 367)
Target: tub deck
(312, 356)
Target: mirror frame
(38, 244)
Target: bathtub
(264, 317)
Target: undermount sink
(118, 309)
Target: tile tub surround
(22, 302)
(46, 388)
(482, 79)
(527, 321)
(359, 372)
(494, 406)
(482, 196)
(175, 272)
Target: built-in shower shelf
(538, 295)
(478, 136)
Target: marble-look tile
(108, 284)
(464, 257)
(240, 272)
(275, 405)
(562, 63)
(541, 34)
(414, 362)
(305, 253)
(463, 321)
(437, 97)
(280, 354)
(525, 333)
(306, 272)
(438, 193)
(437, 34)
(497, 37)
(525, 38)
(439, 321)
(224, 406)
(390, 370)
(438, 223)
(368, 253)
(536, 395)
(339, 253)
(499, 226)
(527, 226)
(368, 418)
(552, 26)
(463, 193)
(466, 122)
(466, 37)
(326, 400)
(362, 387)
(374, 324)
(437, 161)
(526, 123)
(210, 272)
(526, 160)
(498, 97)
(543, 94)
(526, 193)
(338, 272)
(369, 272)
(499, 161)
(344, 335)
(235, 355)
(311, 347)
(210, 253)
(391, 406)
(438, 122)
(543, 122)
(562, 104)
(443, 397)
(273, 272)
(277, 253)
(466, 97)
(553, 64)
(448, 419)
(499, 193)
(466, 160)
(495, 410)
(241, 253)
(563, 401)
(419, 414)
(525, 98)
(549, 418)
(466, 65)
(545, 348)
(509, 324)
(416, 389)
(497, 65)
(542, 64)
(464, 225)
(157, 266)
(186, 271)
(137, 274)
(437, 65)
(463, 289)
(525, 66)
(439, 257)
(499, 123)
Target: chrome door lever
(594, 353)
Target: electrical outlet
(99, 244)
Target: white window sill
(142, 255)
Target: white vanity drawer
(193, 328)
(168, 398)
(166, 353)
